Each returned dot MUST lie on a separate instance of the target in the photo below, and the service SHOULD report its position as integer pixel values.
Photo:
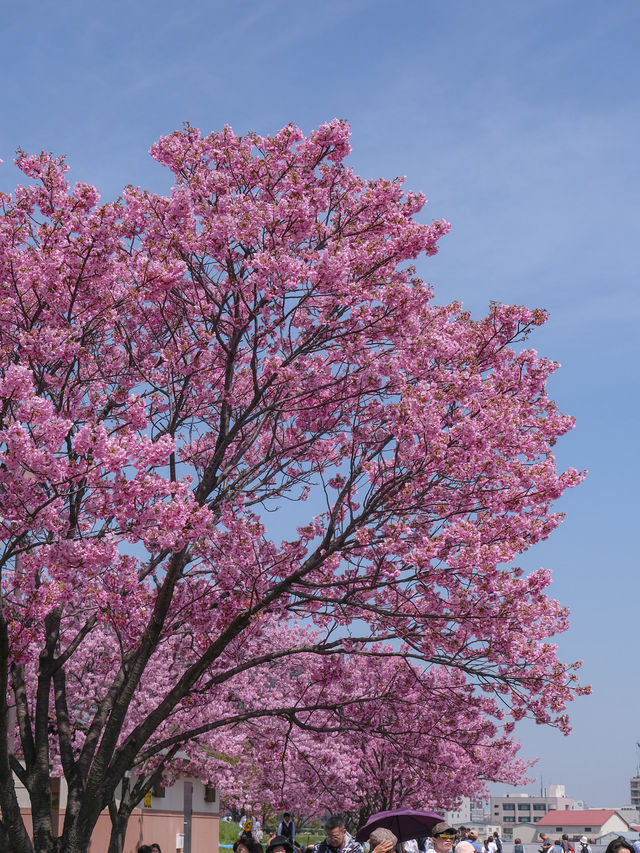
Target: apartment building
(469, 811)
(514, 809)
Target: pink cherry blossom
(260, 496)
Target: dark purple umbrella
(404, 823)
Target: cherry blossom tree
(415, 748)
(180, 378)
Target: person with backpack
(566, 844)
(585, 847)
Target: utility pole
(188, 815)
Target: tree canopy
(260, 495)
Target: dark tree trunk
(120, 819)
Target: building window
(537, 817)
(539, 807)
(523, 820)
(524, 808)
(508, 819)
(209, 794)
(508, 807)
(588, 829)
(558, 829)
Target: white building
(484, 830)
(460, 816)
(514, 809)
(591, 822)
(468, 812)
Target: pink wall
(146, 826)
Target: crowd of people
(564, 845)
(337, 839)
(441, 839)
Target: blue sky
(519, 121)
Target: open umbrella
(404, 823)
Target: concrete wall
(526, 832)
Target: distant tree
(172, 370)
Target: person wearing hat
(382, 840)
(585, 847)
(279, 844)
(443, 837)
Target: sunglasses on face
(448, 835)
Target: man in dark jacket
(287, 827)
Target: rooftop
(576, 817)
